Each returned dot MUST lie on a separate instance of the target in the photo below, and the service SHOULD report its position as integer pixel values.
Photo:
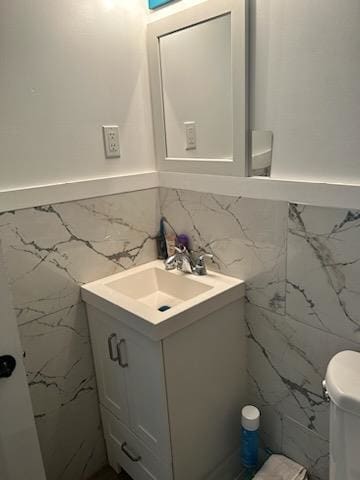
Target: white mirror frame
(210, 9)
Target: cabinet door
(146, 391)
(110, 374)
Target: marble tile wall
(246, 236)
(302, 268)
(49, 252)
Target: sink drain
(163, 308)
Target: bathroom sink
(158, 302)
(157, 287)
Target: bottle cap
(250, 418)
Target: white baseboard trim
(69, 191)
(308, 193)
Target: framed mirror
(198, 74)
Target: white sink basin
(156, 287)
(159, 302)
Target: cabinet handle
(111, 352)
(129, 454)
(119, 354)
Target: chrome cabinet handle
(111, 352)
(119, 354)
(129, 454)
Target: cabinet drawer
(126, 451)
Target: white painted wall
(66, 68)
(306, 88)
(60, 81)
(197, 86)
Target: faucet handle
(200, 265)
(182, 249)
(205, 255)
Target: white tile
(63, 391)
(323, 270)
(58, 358)
(71, 440)
(288, 360)
(306, 448)
(247, 238)
(51, 250)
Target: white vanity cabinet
(131, 383)
(171, 406)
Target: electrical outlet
(111, 141)
(190, 135)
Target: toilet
(342, 384)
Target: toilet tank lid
(343, 381)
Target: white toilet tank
(343, 386)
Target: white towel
(278, 467)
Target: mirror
(197, 61)
(196, 89)
(261, 153)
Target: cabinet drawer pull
(129, 454)
(119, 354)
(111, 352)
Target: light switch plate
(111, 141)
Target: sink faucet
(181, 260)
(184, 261)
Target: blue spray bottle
(250, 421)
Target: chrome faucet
(181, 260)
(184, 261)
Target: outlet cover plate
(111, 141)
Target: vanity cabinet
(131, 381)
(171, 407)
